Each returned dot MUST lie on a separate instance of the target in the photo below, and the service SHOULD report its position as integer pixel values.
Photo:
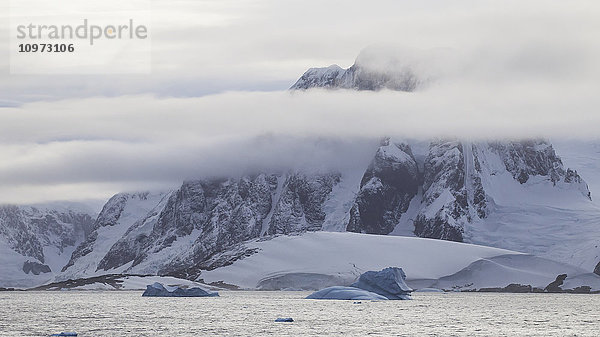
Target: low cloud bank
(144, 142)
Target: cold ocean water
(246, 313)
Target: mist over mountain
(513, 194)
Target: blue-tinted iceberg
(159, 290)
(284, 319)
(388, 282)
(345, 293)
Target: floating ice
(284, 319)
(388, 282)
(159, 290)
(345, 293)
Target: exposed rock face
(478, 199)
(453, 188)
(35, 268)
(28, 230)
(131, 244)
(527, 158)
(440, 190)
(597, 269)
(212, 213)
(445, 197)
(512, 288)
(453, 184)
(554, 286)
(111, 217)
(386, 189)
(204, 217)
(357, 77)
(300, 206)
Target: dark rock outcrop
(357, 77)
(554, 286)
(109, 216)
(386, 190)
(220, 212)
(511, 288)
(597, 269)
(35, 268)
(214, 215)
(444, 178)
(299, 207)
(532, 157)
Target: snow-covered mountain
(372, 70)
(122, 214)
(509, 194)
(36, 241)
(514, 194)
(176, 232)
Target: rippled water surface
(126, 313)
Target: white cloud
(500, 69)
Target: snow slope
(37, 241)
(551, 220)
(339, 258)
(130, 209)
(12, 275)
(500, 271)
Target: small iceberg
(159, 290)
(345, 293)
(284, 319)
(429, 290)
(386, 284)
(65, 334)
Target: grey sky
(221, 68)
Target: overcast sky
(216, 99)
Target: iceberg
(159, 290)
(284, 319)
(386, 284)
(345, 293)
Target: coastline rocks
(554, 287)
(429, 290)
(513, 288)
(159, 290)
